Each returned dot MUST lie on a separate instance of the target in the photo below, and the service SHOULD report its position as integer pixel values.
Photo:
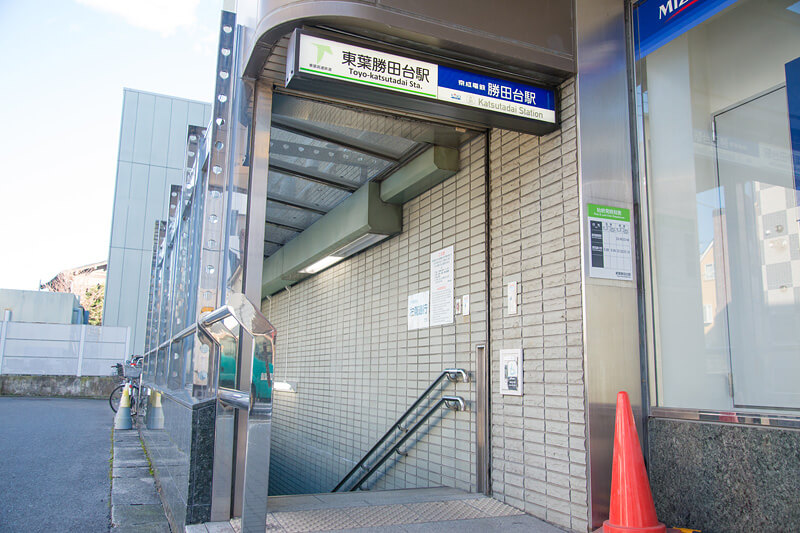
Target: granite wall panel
(182, 456)
(725, 477)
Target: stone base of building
(182, 456)
(725, 477)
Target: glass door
(758, 287)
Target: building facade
(545, 207)
(41, 306)
(47, 334)
(150, 161)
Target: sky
(63, 67)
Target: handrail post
(257, 403)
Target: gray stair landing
(411, 510)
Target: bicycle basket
(132, 371)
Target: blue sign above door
(793, 101)
(657, 22)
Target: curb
(135, 504)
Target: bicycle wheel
(116, 395)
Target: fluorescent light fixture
(284, 386)
(360, 221)
(362, 243)
(322, 264)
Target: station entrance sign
(469, 95)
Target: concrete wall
(59, 349)
(41, 306)
(151, 159)
(98, 387)
(343, 339)
(539, 439)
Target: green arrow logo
(322, 49)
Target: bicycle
(130, 372)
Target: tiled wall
(539, 439)
(343, 338)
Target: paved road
(54, 471)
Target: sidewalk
(135, 505)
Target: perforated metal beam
(345, 141)
(316, 178)
(296, 204)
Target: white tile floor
(413, 510)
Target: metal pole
(3, 334)
(255, 469)
(81, 347)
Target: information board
(610, 237)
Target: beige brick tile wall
(343, 338)
(539, 439)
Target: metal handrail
(175, 338)
(452, 374)
(455, 403)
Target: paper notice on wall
(511, 372)
(511, 298)
(442, 286)
(610, 237)
(418, 310)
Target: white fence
(61, 349)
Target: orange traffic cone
(632, 509)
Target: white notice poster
(511, 298)
(511, 372)
(418, 310)
(442, 287)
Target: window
(708, 314)
(709, 271)
(716, 83)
